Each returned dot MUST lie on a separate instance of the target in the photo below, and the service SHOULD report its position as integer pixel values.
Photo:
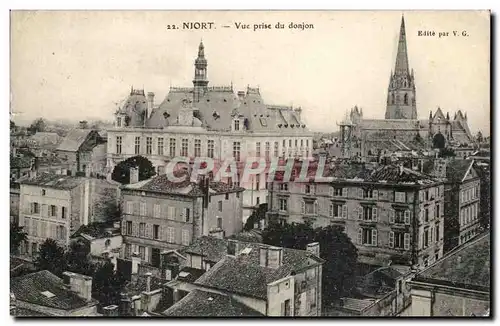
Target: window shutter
(360, 213)
(407, 241)
(360, 236)
(124, 227)
(391, 239)
(303, 207)
(331, 191)
(344, 192)
(374, 237)
(344, 211)
(407, 217)
(149, 233)
(391, 216)
(331, 210)
(360, 192)
(374, 213)
(375, 194)
(163, 233)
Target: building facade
(391, 213)
(159, 215)
(203, 121)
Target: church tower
(401, 103)
(200, 80)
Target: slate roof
(29, 288)
(51, 180)
(73, 140)
(399, 175)
(97, 230)
(162, 184)
(457, 168)
(243, 273)
(22, 162)
(200, 303)
(467, 266)
(391, 124)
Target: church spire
(402, 56)
(200, 80)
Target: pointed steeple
(401, 67)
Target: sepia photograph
(250, 164)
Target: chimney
(110, 311)
(241, 94)
(151, 102)
(134, 175)
(148, 282)
(263, 257)
(136, 260)
(232, 247)
(274, 257)
(83, 124)
(81, 284)
(313, 248)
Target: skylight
(48, 294)
(246, 251)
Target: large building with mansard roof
(402, 130)
(208, 121)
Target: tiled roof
(243, 273)
(212, 249)
(467, 266)
(208, 304)
(139, 286)
(20, 162)
(194, 274)
(356, 304)
(46, 139)
(74, 139)
(29, 288)
(23, 312)
(398, 174)
(97, 230)
(164, 184)
(57, 181)
(457, 168)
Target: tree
(107, 284)
(78, 260)
(121, 173)
(479, 137)
(17, 235)
(336, 248)
(38, 125)
(447, 152)
(51, 257)
(257, 215)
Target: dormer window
(236, 125)
(119, 121)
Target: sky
(80, 64)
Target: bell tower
(401, 97)
(200, 80)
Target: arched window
(406, 99)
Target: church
(401, 130)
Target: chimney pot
(274, 257)
(148, 282)
(313, 248)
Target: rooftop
(467, 266)
(51, 180)
(199, 303)
(74, 139)
(97, 231)
(457, 169)
(31, 288)
(139, 285)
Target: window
(149, 145)
(369, 213)
(296, 143)
(118, 144)
(63, 212)
(137, 145)
(142, 230)
(220, 205)
(142, 208)
(307, 142)
(337, 210)
(400, 197)
(184, 147)
(236, 125)
(286, 308)
(257, 182)
(399, 216)
(35, 208)
(171, 235)
(284, 186)
(60, 232)
(276, 149)
(219, 222)
(197, 147)
(302, 143)
(53, 210)
(187, 214)
(107, 243)
(130, 207)
(370, 193)
(160, 146)
(44, 192)
(266, 176)
(128, 250)
(35, 248)
(157, 211)
(156, 231)
(338, 192)
(171, 212)
(236, 151)
(427, 195)
(283, 204)
(129, 228)
(119, 122)
(257, 201)
(426, 215)
(367, 236)
(289, 143)
(172, 147)
(308, 189)
(426, 238)
(257, 149)
(313, 297)
(438, 236)
(267, 150)
(185, 237)
(210, 150)
(142, 252)
(436, 211)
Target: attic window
(43, 192)
(48, 294)
(263, 122)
